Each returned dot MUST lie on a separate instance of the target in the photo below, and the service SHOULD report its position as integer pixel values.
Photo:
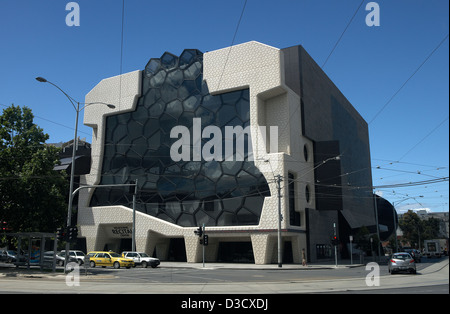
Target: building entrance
(235, 252)
(177, 250)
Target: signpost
(335, 244)
(351, 250)
(201, 233)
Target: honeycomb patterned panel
(188, 192)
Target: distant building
(443, 221)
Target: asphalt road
(180, 280)
(186, 275)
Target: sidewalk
(249, 266)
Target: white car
(141, 258)
(78, 255)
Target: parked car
(141, 258)
(60, 258)
(8, 256)
(100, 258)
(415, 254)
(78, 255)
(401, 262)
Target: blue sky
(382, 70)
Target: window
(307, 193)
(323, 251)
(305, 152)
(294, 216)
(138, 144)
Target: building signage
(122, 232)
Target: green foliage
(32, 194)
(362, 241)
(416, 230)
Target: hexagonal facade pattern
(187, 193)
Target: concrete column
(263, 245)
(162, 248)
(150, 243)
(193, 249)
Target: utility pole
(378, 226)
(335, 245)
(203, 245)
(279, 220)
(133, 233)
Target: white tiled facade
(250, 65)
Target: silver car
(402, 262)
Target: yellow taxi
(101, 258)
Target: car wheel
(154, 266)
(116, 265)
(92, 264)
(144, 264)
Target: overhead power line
(406, 184)
(409, 78)
(423, 139)
(232, 43)
(342, 35)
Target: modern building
(212, 139)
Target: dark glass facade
(294, 216)
(187, 192)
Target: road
(231, 275)
(224, 280)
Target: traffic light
(132, 188)
(205, 239)
(199, 231)
(72, 234)
(61, 234)
(5, 226)
(334, 240)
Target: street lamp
(75, 142)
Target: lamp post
(132, 184)
(75, 143)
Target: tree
(412, 228)
(32, 194)
(362, 239)
(431, 227)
